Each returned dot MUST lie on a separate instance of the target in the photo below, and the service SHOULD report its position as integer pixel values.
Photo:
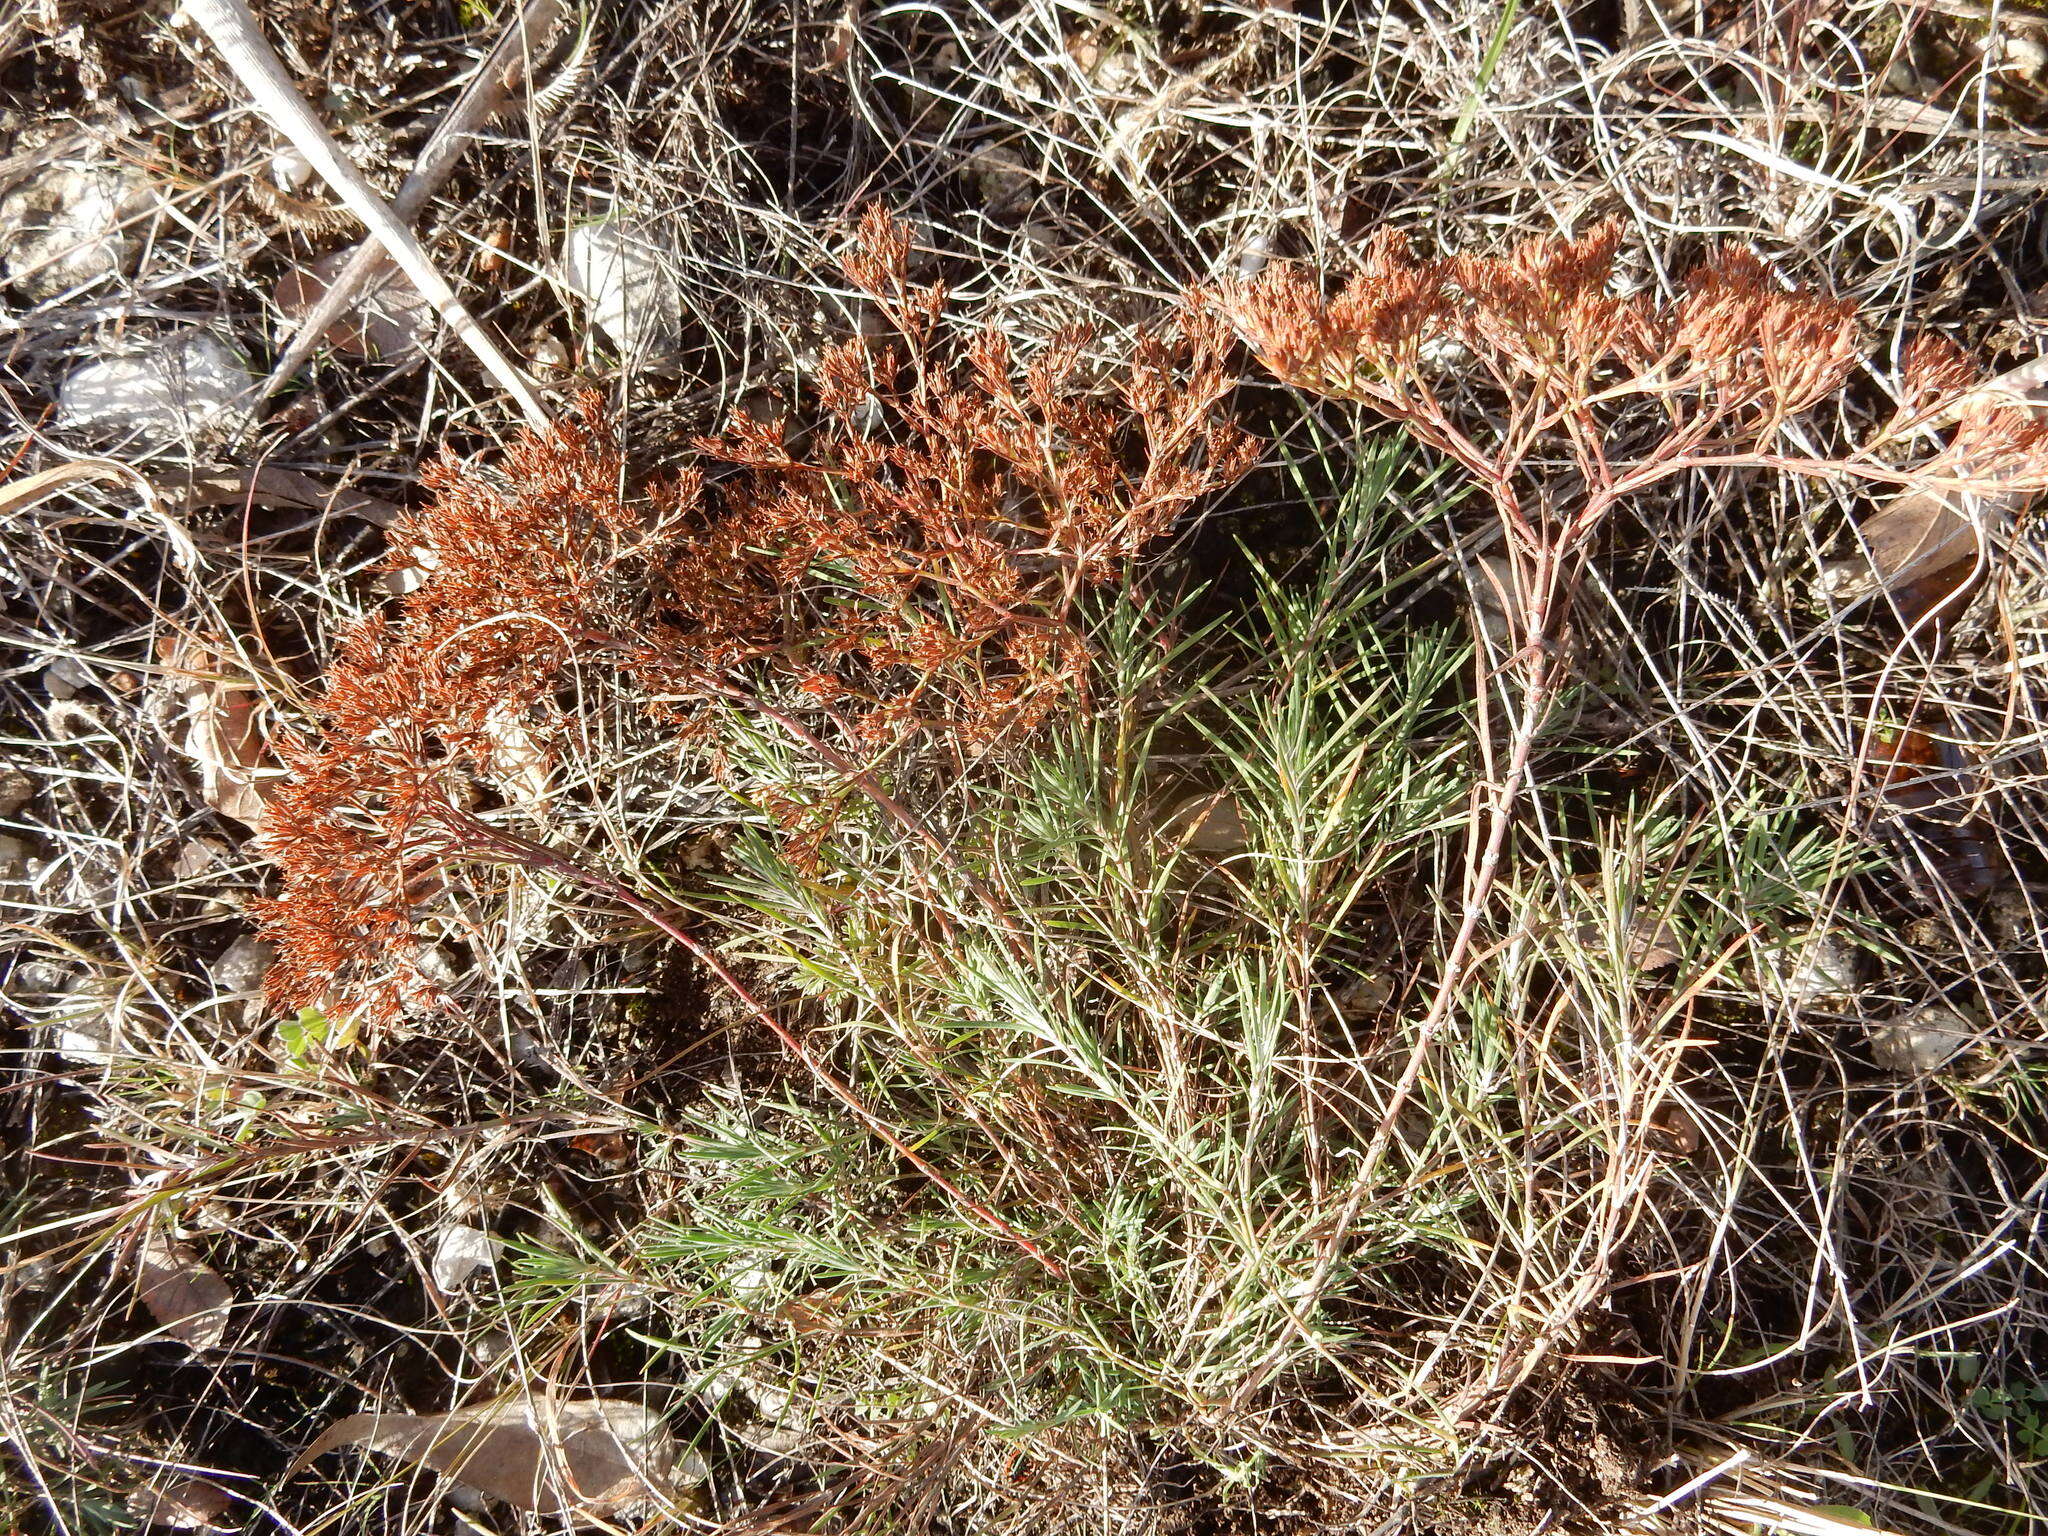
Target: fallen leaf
(218, 720)
(189, 1300)
(1927, 793)
(384, 321)
(589, 1459)
(185, 1505)
(605, 1146)
(1674, 1130)
(518, 765)
(222, 737)
(1919, 549)
(1649, 942)
(271, 485)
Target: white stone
(91, 1036)
(460, 1253)
(16, 790)
(1815, 966)
(67, 678)
(61, 230)
(624, 272)
(42, 979)
(244, 964)
(188, 383)
(437, 966)
(1922, 1041)
(290, 169)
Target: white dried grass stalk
(233, 30)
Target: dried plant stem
(482, 99)
(865, 781)
(1479, 889)
(234, 31)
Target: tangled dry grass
(992, 962)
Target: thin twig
(234, 32)
(482, 99)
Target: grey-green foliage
(1101, 1014)
(1141, 988)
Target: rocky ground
(227, 1234)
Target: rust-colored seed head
(913, 568)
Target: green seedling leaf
(313, 1030)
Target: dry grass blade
(19, 495)
(503, 67)
(234, 31)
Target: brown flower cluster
(532, 572)
(911, 563)
(1998, 449)
(1516, 365)
(944, 515)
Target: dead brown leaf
(271, 485)
(587, 1459)
(185, 1505)
(383, 322)
(186, 1298)
(1922, 550)
(219, 719)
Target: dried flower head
(1548, 332)
(942, 520)
(915, 566)
(1563, 395)
(1374, 328)
(539, 568)
(1547, 310)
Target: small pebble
(1816, 966)
(1923, 1041)
(196, 856)
(243, 965)
(61, 230)
(66, 678)
(189, 383)
(460, 1252)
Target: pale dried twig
(483, 98)
(233, 30)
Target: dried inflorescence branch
(539, 569)
(911, 564)
(1558, 394)
(1998, 448)
(1563, 397)
(942, 518)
